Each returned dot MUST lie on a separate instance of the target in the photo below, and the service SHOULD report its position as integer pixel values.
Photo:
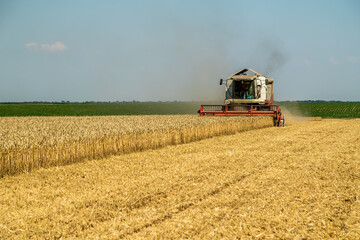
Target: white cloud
(354, 59)
(31, 45)
(57, 46)
(332, 60)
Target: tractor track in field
(158, 196)
(185, 206)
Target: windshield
(243, 90)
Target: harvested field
(28, 143)
(297, 182)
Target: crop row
(324, 109)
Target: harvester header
(247, 93)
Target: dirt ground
(297, 182)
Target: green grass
(311, 109)
(323, 109)
(98, 109)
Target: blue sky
(176, 50)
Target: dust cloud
(198, 62)
(293, 115)
(275, 61)
(267, 57)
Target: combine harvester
(247, 95)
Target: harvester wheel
(276, 122)
(282, 121)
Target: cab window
(243, 90)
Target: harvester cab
(247, 93)
(243, 88)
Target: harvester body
(247, 95)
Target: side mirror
(221, 81)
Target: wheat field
(297, 182)
(28, 143)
